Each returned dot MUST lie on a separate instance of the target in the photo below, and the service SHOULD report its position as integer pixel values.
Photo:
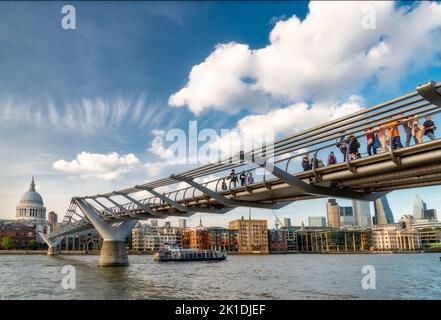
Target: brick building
(196, 238)
(20, 234)
(252, 235)
(278, 240)
(224, 239)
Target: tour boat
(175, 253)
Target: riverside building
(252, 235)
(223, 239)
(278, 240)
(397, 237)
(334, 241)
(152, 238)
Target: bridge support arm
(52, 244)
(128, 212)
(171, 202)
(139, 204)
(228, 201)
(104, 207)
(304, 187)
(113, 250)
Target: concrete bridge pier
(52, 251)
(113, 254)
(113, 250)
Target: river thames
(294, 276)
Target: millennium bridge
(281, 180)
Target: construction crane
(277, 222)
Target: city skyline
(296, 219)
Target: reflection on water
(412, 276)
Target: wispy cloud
(85, 115)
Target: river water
(293, 276)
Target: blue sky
(107, 86)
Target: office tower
(362, 213)
(333, 213)
(383, 213)
(52, 218)
(286, 222)
(419, 206)
(430, 214)
(347, 216)
(317, 222)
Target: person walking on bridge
(429, 128)
(242, 178)
(342, 144)
(233, 178)
(306, 163)
(314, 163)
(331, 158)
(224, 185)
(250, 179)
(407, 124)
(370, 138)
(395, 135)
(382, 137)
(354, 145)
(417, 130)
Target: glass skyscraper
(419, 207)
(347, 216)
(362, 212)
(383, 213)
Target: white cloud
(280, 122)
(153, 169)
(102, 166)
(325, 57)
(219, 83)
(157, 145)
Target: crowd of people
(234, 179)
(378, 139)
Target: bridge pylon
(113, 249)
